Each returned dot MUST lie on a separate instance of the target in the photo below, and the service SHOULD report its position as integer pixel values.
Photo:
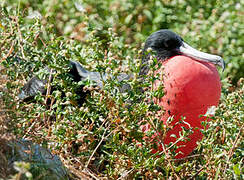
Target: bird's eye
(172, 43)
(169, 43)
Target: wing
(33, 87)
(78, 73)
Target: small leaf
(79, 6)
(34, 15)
(1, 26)
(178, 168)
(148, 14)
(5, 10)
(128, 19)
(211, 111)
(237, 170)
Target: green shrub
(103, 134)
(215, 25)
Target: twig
(9, 52)
(21, 38)
(126, 173)
(52, 101)
(29, 129)
(47, 94)
(181, 137)
(199, 171)
(233, 147)
(92, 175)
(48, 86)
(42, 42)
(188, 157)
(178, 140)
(110, 134)
(167, 155)
(103, 137)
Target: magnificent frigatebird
(191, 85)
(198, 76)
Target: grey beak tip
(223, 67)
(222, 64)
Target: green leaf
(237, 170)
(148, 14)
(128, 19)
(217, 173)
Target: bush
(215, 25)
(103, 134)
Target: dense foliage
(102, 135)
(217, 26)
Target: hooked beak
(187, 50)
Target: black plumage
(164, 43)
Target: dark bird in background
(192, 84)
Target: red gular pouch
(191, 87)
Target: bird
(191, 85)
(191, 81)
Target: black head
(166, 44)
